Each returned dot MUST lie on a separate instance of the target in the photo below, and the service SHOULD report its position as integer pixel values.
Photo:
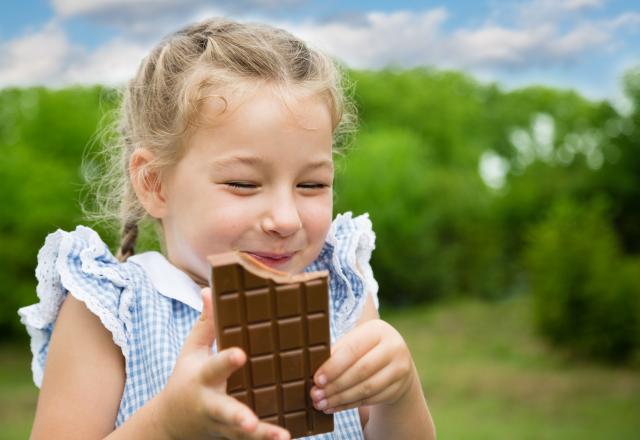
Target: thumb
(220, 366)
(203, 331)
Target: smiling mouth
(272, 260)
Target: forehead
(296, 105)
(263, 115)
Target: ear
(147, 183)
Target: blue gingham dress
(150, 327)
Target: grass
(18, 395)
(485, 374)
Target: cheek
(226, 219)
(317, 216)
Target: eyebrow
(230, 161)
(254, 161)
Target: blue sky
(581, 44)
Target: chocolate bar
(281, 321)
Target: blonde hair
(162, 101)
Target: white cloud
(48, 58)
(581, 39)
(146, 17)
(628, 21)
(541, 11)
(112, 64)
(37, 58)
(546, 39)
(411, 39)
(70, 8)
(496, 46)
(576, 5)
(378, 38)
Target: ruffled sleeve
(79, 263)
(346, 255)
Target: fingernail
(329, 411)
(322, 404)
(318, 394)
(322, 380)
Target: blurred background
(498, 156)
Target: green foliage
(434, 229)
(43, 134)
(441, 231)
(619, 178)
(586, 294)
(442, 109)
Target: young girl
(227, 134)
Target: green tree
(586, 293)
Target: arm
(407, 418)
(373, 366)
(369, 312)
(83, 383)
(83, 378)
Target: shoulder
(79, 263)
(82, 249)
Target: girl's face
(259, 180)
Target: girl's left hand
(369, 365)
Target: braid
(128, 241)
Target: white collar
(168, 279)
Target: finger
(237, 421)
(220, 366)
(367, 366)
(345, 353)
(202, 333)
(386, 382)
(382, 397)
(267, 431)
(229, 412)
(262, 431)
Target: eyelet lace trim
(56, 279)
(352, 239)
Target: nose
(282, 217)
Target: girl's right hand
(194, 403)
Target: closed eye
(242, 188)
(242, 185)
(312, 185)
